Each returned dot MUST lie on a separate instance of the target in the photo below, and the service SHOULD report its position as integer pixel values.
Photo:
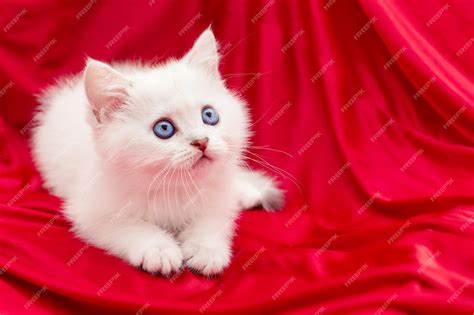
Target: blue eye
(164, 129)
(209, 116)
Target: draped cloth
(370, 104)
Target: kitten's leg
(259, 190)
(206, 243)
(140, 243)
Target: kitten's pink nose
(201, 144)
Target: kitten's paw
(260, 190)
(207, 259)
(273, 199)
(158, 256)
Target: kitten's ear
(106, 89)
(204, 53)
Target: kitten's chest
(173, 208)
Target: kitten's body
(151, 201)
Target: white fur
(136, 195)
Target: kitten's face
(170, 119)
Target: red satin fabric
(373, 100)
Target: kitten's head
(169, 118)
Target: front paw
(258, 190)
(208, 259)
(273, 199)
(157, 256)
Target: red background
(375, 235)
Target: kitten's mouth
(201, 161)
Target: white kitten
(148, 160)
